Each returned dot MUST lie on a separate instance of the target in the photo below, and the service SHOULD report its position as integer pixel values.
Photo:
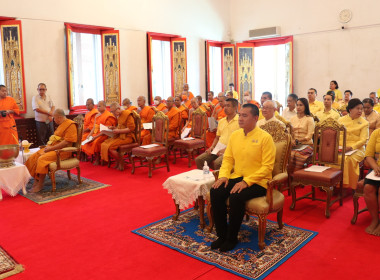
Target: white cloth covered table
(13, 179)
(186, 187)
(21, 160)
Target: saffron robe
(38, 163)
(131, 108)
(146, 115)
(107, 119)
(89, 121)
(8, 130)
(174, 119)
(161, 107)
(125, 120)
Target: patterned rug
(64, 188)
(246, 260)
(8, 266)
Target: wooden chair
(160, 132)
(273, 202)
(326, 153)
(73, 161)
(198, 131)
(127, 149)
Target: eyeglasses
(42, 89)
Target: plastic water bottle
(206, 170)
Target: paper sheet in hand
(350, 152)
(218, 147)
(185, 132)
(212, 124)
(147, 125)
(372, 176)
(88, 140)
(300, 148)
(106, 131)
(149, 146)
(316, 168)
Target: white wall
(322, 50)
(44, 39)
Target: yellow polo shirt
(226, 128)
(316, 106)
(357, 132)
(373, 146)
(322, 115)
(251, 156)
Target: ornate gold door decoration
(245, 69)
(13, 62)
(179, 64)
(111, 66)
(228, 66)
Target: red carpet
(89, 236)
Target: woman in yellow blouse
(371, 187)
(334, 87)
(303, 131)
(357, 136)
(370, 115)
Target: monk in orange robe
(8, 106)
(159, 105)
(146, 115)
(186, 91)
(194, 105)
(89, 118)
(106, 118)
(248, 99)
(218, 113)
(128, 106)
(124, 133)
(174, 118)
(184, 115)
(64, 136)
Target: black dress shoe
(228, 245)
(217, 243)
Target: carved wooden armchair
(198, 131)
(273, 202)
(326, 153)
(73, 161)
(160, 132)
(127, 149)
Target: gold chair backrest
(138, 125)
(199, 124)
(282, 141)
(328, 133)
(79, 120)
(160, 128)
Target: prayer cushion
(328, 177)
(65, 164)
(151, 152)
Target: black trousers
(237, 207)
(44, 131)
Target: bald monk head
(115, 109)
(199, 99)
(3, 91)
(102, 106)
(186, 87)
(177, 101)
(59, 116)
(141, 101)
(170, 102)
(90, 104)
(210, 95)
(222, 101)
(220, 95)
(157, 100)
(247, 96)
(194, 103)
(126, 102)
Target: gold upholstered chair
(325, 153)
(274, 200)
(198, 132)
(73, 161)
(160, 132)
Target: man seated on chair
(247, 99)
(194, 106)
(184, 115)
(328, 111)
(226, 126)
(173, 114)
(186, 92)
(89, 118)
(211, 100)
(106, 118)
(314, 105)
(218, 112)
(291, 110)
(146, 115)
(248, 179)
(264, 97)
(268, 111)
(124, 133)
(64, 136)
(159, 105)
(127, 105)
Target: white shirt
(287, 114)
(273, 119)
(43, 104)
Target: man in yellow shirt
(240, 177)
(373, 96)
(328, 111)
(226, 126)
(314, 105)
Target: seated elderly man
(247, 98)
(240, 177)
(127, 105)
(123, 134)
(184, 115)
(159, 106)
(268, 111)
(226, 126)
(89, 118)
(64, 136)
(264, 97)
(173, 114)
(146, 114)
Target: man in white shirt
(290, 111)
(268, 111)
(43, 108)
